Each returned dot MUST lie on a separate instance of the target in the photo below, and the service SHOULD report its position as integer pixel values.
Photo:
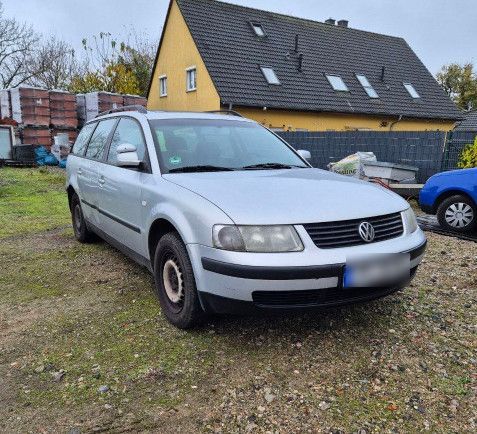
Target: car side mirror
(127, 156)
(306, 155)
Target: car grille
(316, 297)
(333, 235)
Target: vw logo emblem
(366, 232)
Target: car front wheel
(458, 213)
(175, 283)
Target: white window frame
(330, 78)
(411, 90)
(163, 88)
(188, 72)
(367, 86)
(271, 79)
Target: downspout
(395, 122)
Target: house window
(337, 83)
(258, 29)
(367, 86)
(270, 75)
(412, 91)
(191, 82)
(163, 85)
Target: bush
(468, 158)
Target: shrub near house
(468, 158)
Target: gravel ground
(84, 346)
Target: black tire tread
(192, 313)
(441, 210)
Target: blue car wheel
(458, 213)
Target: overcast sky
(439, 31)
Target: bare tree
(54, 64)
(18, 42)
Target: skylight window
(270, 75)
(367, 86)
(337, 83)
(412, 91)
(258, 29)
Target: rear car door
(90, 167)
(120, 191)
(82, 167)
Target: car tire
(80, 228)
(175, 283)
(458, 213)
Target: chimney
(330, 21)
(343, 23)
(300, 62)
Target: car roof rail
(226, 112)
(126, 108)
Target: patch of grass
(32, 200)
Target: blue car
(452, 196)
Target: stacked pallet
(63, 114)
(99, 102)
(135, 100)
(30, 108)
(41, 115)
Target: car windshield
(211, 145)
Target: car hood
(293, 196)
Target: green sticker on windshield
(175, 160)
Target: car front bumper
(234, 282)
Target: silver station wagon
(231, 219)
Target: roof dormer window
(337, 83)
(412, 91)
(270, 75)
(258, 29)
(367, 86)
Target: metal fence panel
(427, 150)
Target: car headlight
(258, 239)
(410, 221)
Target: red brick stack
(135, 100)
(63, 114)
(30, 107)
(99, 102)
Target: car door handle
(102, 180)
(80, 171)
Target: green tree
(460, 83)
(109, 65)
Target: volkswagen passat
(229, 218)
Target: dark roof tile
(233, 53)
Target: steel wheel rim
(459, 215)
(173, 281)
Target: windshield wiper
(205, 168)
(271, 166)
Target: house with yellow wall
(291, 73)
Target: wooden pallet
(429, 223)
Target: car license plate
(377, 270)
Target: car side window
(128, 132)
(98, 141)
(83, 139)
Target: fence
(430, 151)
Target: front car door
(120, 197)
